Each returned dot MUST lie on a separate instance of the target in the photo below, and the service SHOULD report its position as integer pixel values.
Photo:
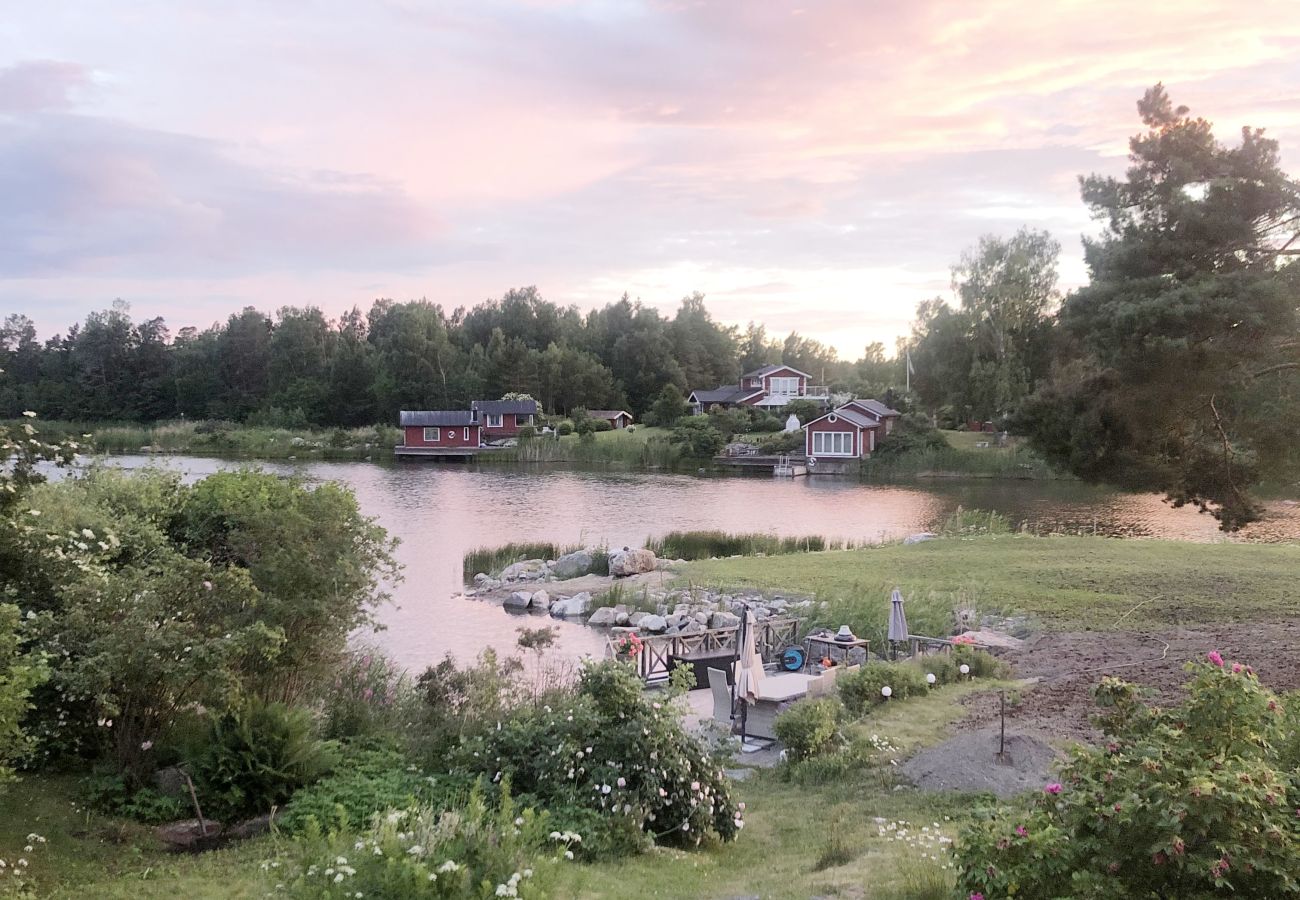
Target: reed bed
(693, 545)
(952, 462)
(219, 438)
(491, 560)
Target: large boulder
(724, 620)
(528, 568)
(541, 600)
(577, 605)
(631, 562)
(571, 565)
(518, 600)
(654, 624)
(483, 580)
(604, 617)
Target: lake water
(441, 511)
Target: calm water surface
(440, 511)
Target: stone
(577, 605)
(690, 626)
(634, 619)
(528, 568)
(540, 600)
(482, 579)
(518, 600)
(724, 620)
(631, 562)
(919, 538)
(654, 624)
(702, 617)
(603, 617)
(572, 565)
(621, 617)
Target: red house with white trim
(503, 418)
(768, 386)
(850, 431)
(440, 429)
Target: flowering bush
(1188, 802)
(363, 697)
(470, 851)
(613, 750)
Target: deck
(439, 452)
(788, 465)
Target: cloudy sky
(815, 165)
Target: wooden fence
(771, 636)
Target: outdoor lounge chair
(721, 696)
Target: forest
(301, 367)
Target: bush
(527, 432)
(564, 428)
(911, 433)
(982, 663)
(785, 442)
(805, 410)
(363, 699)
(809, 727)
(454, 704)
(111, 794)
(20, 673)
(616, 752)
(697, 437)
(470, 851)
(1193, 801)
(860, 690)
(766, 422)
(255, 757)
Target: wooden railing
(771, 636)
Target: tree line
(300, 367)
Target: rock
(631, 562)
(621, 618)
(654, 624)
(187, 834)
(485, 581)
(541, 600)
(919, 538)
(577, 605)
(528, 568)
(518, 600)
(635, 619)
(701, 617)
(248, 828)
(603, 617)
(690, 626)
(571, 565)
(724, 620)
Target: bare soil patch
(969, 762)
(1068, 666)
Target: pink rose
(1021, 830)
(1053, 788)
(1214, 657)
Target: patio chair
(721, 696)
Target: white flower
(87, 533)
(338, 878)
(449, 866)
(622, 782)
(29, 414)
(568, 854)
(147, 745)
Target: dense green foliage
(301, 368)
(809, 727)
(1193, 801)
(698, 437)
(1179, 367)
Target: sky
(815, 166)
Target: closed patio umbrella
(749, 670)
(898, 632)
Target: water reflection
(441, 511)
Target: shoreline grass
(638, 447)
(697, 545)
(1064, 582)
(955, 462)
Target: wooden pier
(403, 452)
(785, 465)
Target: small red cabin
(843, 433)
(617, 418)
(434, 429)
(503, 418)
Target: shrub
(363, 698)
(809, 727)
(911, 433)
(110, 793)
(861, 690)
(453, 703)
(615, 751)
(20, 673)
(982, 663)
(255, 757)
(697, 437)
(527, 432)
(1192, 801)
(470, 851)
(785, 442)
(564, 428)
(805, 410)
(766, 422)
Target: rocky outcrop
(654, 624)
(526, 570)
(631, 562)
(604, 617)
(572, 565)
(518, 600)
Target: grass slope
(1067, 583)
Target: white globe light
(965, 669)
(929, 678)
(886, 691)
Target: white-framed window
(832, 443)
(786, 386)
(494, 421)
(431, 435)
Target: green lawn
(1064, 582)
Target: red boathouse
(440, 430)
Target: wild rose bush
(473, 850)
(614, 754)
(1194, 801)
(364, 697)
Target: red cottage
(439, 429)
(843, 433)
(503, 418)
(617, 418)
(769, 387)
(876, 411)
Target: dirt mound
(968, 762)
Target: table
(837, 651)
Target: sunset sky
(811, 165)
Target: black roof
(497, 407)
(446, 418)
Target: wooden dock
(404, 452)
(785, 465)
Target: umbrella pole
(744, 704)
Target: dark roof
(849, 415)
(725, 394)
(773, 367)
(608, 413)
(875, 407)
(447, 418)
(497, 407)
